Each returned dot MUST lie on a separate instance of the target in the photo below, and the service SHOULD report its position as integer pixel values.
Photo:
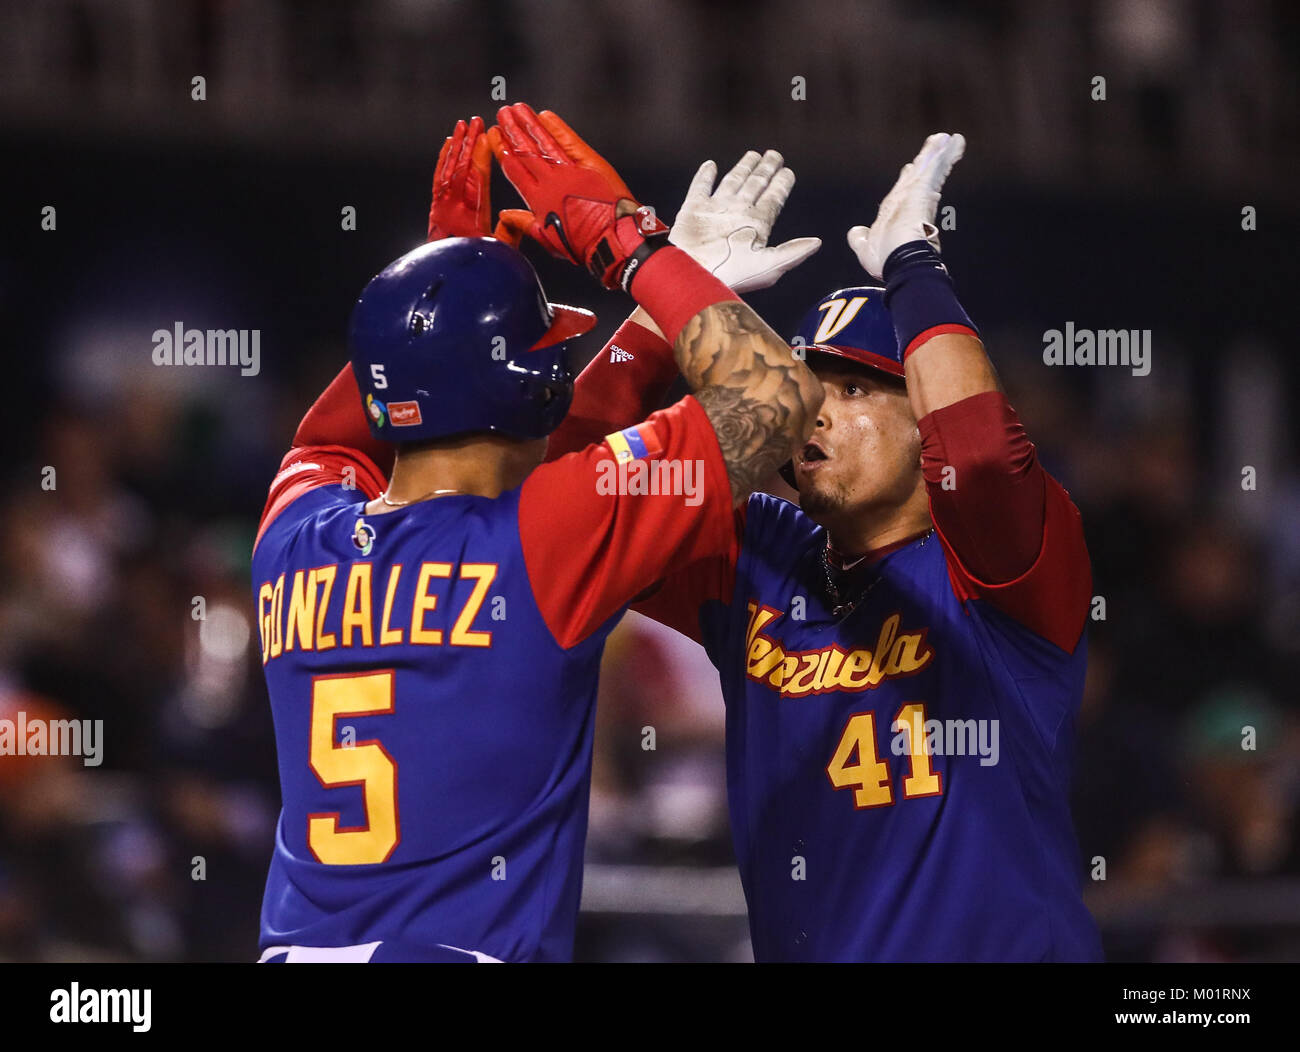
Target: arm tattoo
(753, 442)
(760, 400)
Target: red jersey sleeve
(332, 446)
(600, 526)
(677, 600)
(621, 385)
(1011, 534)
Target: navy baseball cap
(852, 324)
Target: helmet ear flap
(551, 390)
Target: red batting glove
(575, 192)
(461, 183)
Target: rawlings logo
(404, 414)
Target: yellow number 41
(366, 764)
(869, 777)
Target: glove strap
(920, 297)
(622, 250)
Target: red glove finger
(514, 148)
(472, 173)
(544, 143)
(479, 179)
(439, 182)
(576, 148)
(513, 224)
(456, 161)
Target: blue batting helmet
(457, 336)
(853, 324)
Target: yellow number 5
(366, 764)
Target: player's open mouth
(811, 457)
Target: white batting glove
(908, 211)
(726, 230)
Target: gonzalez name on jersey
(432, 674)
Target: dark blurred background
(227, 213)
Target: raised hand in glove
(579, 208)
(726, 230)
(461, 180)
(908, 211)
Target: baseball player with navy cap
(439, 562)
(902, 655)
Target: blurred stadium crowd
(161, 852)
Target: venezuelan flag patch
(628, 444)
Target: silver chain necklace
(841, 606)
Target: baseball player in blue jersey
(435, 581)
(902, 656)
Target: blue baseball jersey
(432, 674)
(898, 775)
